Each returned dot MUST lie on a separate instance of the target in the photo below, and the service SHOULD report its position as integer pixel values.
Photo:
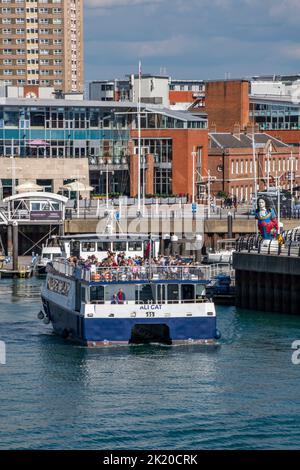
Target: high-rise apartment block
(41, 43)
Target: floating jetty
(25, 269)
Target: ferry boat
(101, 306)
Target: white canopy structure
(28, 186)
(77, 186)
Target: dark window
(97, 294)
(103, 246)
(119, 246)
(88, 246)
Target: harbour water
(243, 394)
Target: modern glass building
(274, 114)
(102, 132)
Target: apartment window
(237, 167)
(232, 168)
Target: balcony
(110, 163)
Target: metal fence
(151, 272)
(289, 245)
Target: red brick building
(229, 102)
(169, 153)
(231, 163)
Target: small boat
(223, 253)
(221, 290)
(48, 255)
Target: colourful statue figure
(266, 220)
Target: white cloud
(285, 9)
(292, 51)
(170, 47)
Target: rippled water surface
(241, 395)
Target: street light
(107, 173)
(194, 154)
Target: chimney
(213, 128)
(237, 130)
(249, 128)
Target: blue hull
(105, 331)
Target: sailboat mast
(139, 139)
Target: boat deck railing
(151, 272)
(200, 300)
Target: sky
(200, 39)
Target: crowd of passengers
(116, 265)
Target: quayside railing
(288, 245)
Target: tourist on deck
(114, 299)
(121, 296)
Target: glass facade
(53, 131)
(94, 130)
(152, 120)
(162, 150)
(272, 115)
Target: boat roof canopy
(110, 237)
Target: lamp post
(291, 178)
(107, 180)
(278, 177)
(268, 168)
(193, 175)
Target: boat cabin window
(161, 294)
(75, 248)
(119, 246)
(135, 246)
(128, 290)
(173, 292)
(145, 293)
(97, 294)
(88, 246)
(187, 292)
(103, 246)
(200, 291)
